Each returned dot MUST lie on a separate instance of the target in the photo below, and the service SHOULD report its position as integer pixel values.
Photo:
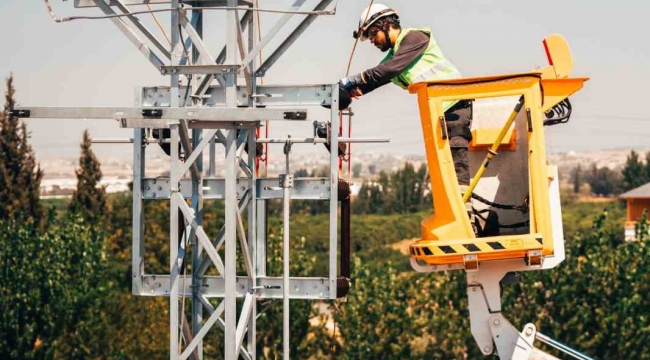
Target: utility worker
(413, 56)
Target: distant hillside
(613, 159)
(60, 175)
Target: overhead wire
(187, 56)
(347, 72)
(266, 125)
(159, 25)
(56, 19)
(356, 41)
(59, 19)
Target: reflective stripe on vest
(433, 73)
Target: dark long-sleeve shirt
(412, 46)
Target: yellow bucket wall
(447, 235)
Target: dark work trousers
(459, 121)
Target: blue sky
(90, 63)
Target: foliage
(646, 168)
(603, 181)
(641, 227)
(403, 191)
(356, 169)
(595, 301)
(66, 289)
(401, 315)
(89, 198)
(371, 236)
(270, 321)
(50, 287)
(577, 217)
(633, 172)
(20, 176)
(577, 179)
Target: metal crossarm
(141, 116)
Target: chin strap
(389, 44)
(385, 27)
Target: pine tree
(89, 199)
(577, 179)
(633, 174)
(20, 176)
(646, 167)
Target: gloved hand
(351, 82)
(356, 93)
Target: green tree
(403, 191)
(89, 198)
(408, 188)
(577, 179)
(369, 200)
(50, 289)
(269, 344)
(404, 315)
(633, 172)
(596, 300)
(646, 167)
(603, 181)
(641, 227)
(20, 176)
(356, 170)
(301, 173)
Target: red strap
(548, 54)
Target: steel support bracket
(286, 181)
(510, 344)
(471, 262)
(534, 259)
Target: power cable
(266, 125)
(259, 36)
(356, 41)
(187, 55)
(159, 25)
(225, 8)
(56, 19)
(558, 114)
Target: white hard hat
(369, 16)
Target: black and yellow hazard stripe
(493, 248)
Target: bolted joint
(286, 181)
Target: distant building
(638, 200)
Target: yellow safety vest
(430, 65)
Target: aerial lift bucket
(518, 190)
(516, 197)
